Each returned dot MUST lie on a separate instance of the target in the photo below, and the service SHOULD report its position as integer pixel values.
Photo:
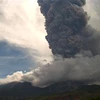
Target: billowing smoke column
(70, 35)
(66, 26)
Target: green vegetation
(64, 96)
(69, 96)
(89, 92)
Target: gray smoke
(67, 29)
(80, 68)
(69, 36)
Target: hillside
(84, 93)
(26, 89)
(58, 91)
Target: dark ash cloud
(67, 27)
(69, 36)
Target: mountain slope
(57, 91)
(26, 89)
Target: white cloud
(31, 34)
(79, 68)
(11, 78)
(22, 24)
(92, 7)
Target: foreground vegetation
(83, 93)
(63, 96)
(69, 96)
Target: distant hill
(26, 89)
(57, 91)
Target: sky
(93, 9)
(22, 36)
(23, 46)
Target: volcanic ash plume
(70, 36)
(66, 26)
